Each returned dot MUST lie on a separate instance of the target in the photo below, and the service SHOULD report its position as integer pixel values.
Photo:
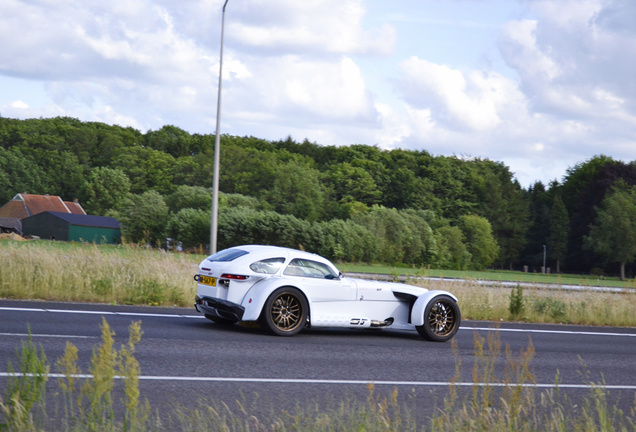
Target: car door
(319, 281)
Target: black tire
(285, 312)
(441, 319)
(220, 320)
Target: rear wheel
(285, 312)
(441, 319)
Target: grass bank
(57, 271)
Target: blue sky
(540, 85)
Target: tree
(147, 169)
(503, 203)
(480, 241)
(19, 173)
(193, 197)
(190, 226)
(559, 231)
(584, 188)
(453, 252)
(105, 190)
(170, 139)
(613, 234)
(144, 218)
(297, 191)
(351, 183)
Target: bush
(552, 307)
(516, 302)
(191, 227)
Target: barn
(72, 227)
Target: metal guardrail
(492, 283)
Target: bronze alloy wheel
(441, 319)
(285, 312)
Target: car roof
(264, 251)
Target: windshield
(227, 255)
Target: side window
(267, 266)
(308, 268)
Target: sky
(540, 85)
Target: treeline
(355, 203)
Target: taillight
(233, 276)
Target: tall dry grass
(542, 305)
(90, 273)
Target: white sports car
(287, 290)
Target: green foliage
(613, 234)
(146, 168)
(352, 184)
(238, 200)
(559, 230)
(26, 387)
(99, 164)
(192, 197)
(19, 173)
(104, 190)
(453, 253)
(144, 218)
(147, 292)
(298, 191)
(517, 305)
(481, 244)
(90, 407)
(555, 309)
(190, 227)
(584, 190)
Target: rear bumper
(219, 308)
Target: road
(184, 357)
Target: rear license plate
(207, 280)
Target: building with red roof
(25, 205)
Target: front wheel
(441, 319)
(285, 312)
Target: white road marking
(160, 315)
(48, 335)
(75, 311)
(340, 382)
(549, 331)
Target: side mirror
(331, 277)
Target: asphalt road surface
(185, 358)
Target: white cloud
(476, 100)
(19, 105)
(329, 26)
(576, 59)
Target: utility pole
(217, 150)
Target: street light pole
(217, 150)
(544, 253)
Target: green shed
(72, 227)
